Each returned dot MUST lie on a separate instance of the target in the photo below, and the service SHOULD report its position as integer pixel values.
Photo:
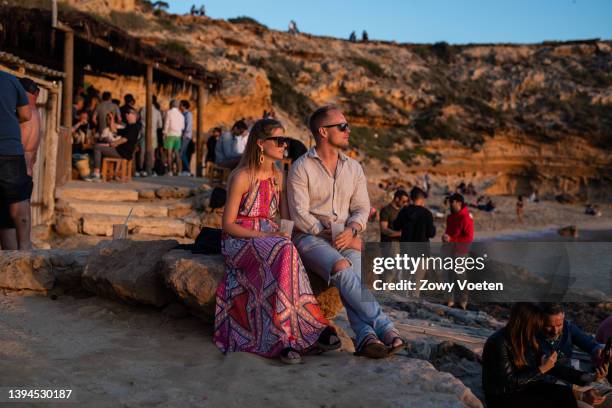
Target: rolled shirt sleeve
(359, 207)
(298, 199)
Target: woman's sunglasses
(343, 127)
(280, 140)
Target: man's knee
(340, 266)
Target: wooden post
(150, 132)
(68, 79)
(50, 157)
(200, 138)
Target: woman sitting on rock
(514, 373)
(265, 304)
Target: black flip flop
(324, 342)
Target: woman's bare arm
(284, 205)
(238, 184)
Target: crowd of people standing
(105, 128)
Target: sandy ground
(112, 355)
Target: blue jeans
(364, 313)
(185, 156)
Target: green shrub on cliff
(371, 66)
(246, 20)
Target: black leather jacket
(501, 377)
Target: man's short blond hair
(317, 118)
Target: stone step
(97, 192)
(102, 224)
(159, 208)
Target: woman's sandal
(371, 347)
(390, 337)
(286, 358)
(329, 340)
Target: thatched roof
(27, 33)
(17, 62)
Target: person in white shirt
(173, 130)
(230, 146)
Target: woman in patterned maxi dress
(265, 304)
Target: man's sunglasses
(280, 140)
(343, 127)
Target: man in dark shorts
(122, 148)
(15, 184)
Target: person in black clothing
(130, 103)
(211, 143)
(295, 149)
(415, 221)
(120, 149)
(516, 372)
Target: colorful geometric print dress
(264, 301)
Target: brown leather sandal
(371, 347)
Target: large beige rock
(180, 208)
(173, 192)
(99, 192)
(26, 270)
(67, 224)
(97, 224)
(129, 271)
(194, 279)
(119, 208)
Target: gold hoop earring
(261, 156)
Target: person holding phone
(516, 372)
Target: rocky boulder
(26, 270)
(194, 279)
(68, 266)
(129, 271)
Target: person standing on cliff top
(325, 186)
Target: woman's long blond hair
(262, 129)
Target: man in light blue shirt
(187, 146)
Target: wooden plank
(64, 157)
(51, 152)
(149, 131)
(68, 80)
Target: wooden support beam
(149, 131)
(68, 79)
(200, 137)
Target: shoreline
(596, 224)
